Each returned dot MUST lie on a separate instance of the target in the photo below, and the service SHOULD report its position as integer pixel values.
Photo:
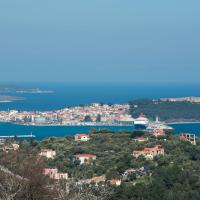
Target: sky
(100, 41)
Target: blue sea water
(48, 131)
(75, 94)
(58, 131)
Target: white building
(82, 137)
(48, 153)
(85, 158)
(53, 174)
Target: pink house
(53, 174)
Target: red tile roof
(85, 155)
(82, 134)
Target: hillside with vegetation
(176, 175)
(165, 110)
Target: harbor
(59, 131)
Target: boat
(153, 126)
(141, 122)
(158, 125)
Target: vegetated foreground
(174, 175)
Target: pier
(17, 136)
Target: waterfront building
(125, 120)
(149, 153)
(40, 120)
(85, 158)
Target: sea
(72, 94)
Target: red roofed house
(158, 132)
(85, 158)
(149, 153)
(82, 137)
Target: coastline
(93, 125)
(183, 122)
(41, 132)
(70, 125)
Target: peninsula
(6, 99)
(22, 90)
(100, 114)
(169, 110)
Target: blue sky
(100, 41)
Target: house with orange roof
(85, 158)
(158, 132)
(98, 179)
(82, 137)
(149, 153)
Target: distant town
(167, 110)
(93, 114)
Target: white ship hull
(141, 122)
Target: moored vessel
(141, 122)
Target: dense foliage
(176, 175)
(168, 111)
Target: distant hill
(10, 98)
(165, 110)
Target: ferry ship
(141, 122)
(153, 126)
(158, 125)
